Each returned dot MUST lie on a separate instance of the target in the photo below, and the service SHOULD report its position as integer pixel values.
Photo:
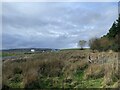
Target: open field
(62, 69)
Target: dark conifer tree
(118, 25)
(113, 31)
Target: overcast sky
(55, 25)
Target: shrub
(52, 68)
(30, 76)
(33, 84)
(94, 43)
(16, 78)
(17, 70)
(102, 44)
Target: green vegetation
(5, 54)
(109, 41)
(0, 54)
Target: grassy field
(63, 69)
(5, 54)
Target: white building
(32, 50)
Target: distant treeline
(29, 50)
(110, 41)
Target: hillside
(63, 69)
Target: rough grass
(63, 69)
(94, 71)
(0, 73)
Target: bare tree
(82, 43)
(94, 44)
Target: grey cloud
(54, 25)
